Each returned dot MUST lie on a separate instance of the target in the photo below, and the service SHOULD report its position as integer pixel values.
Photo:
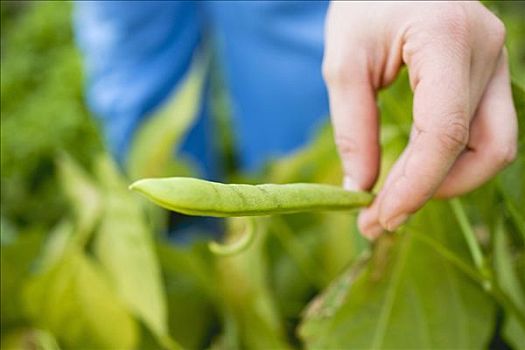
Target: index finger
(439, 134)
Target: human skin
(464, 127)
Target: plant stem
(468, 233)
(518, 219)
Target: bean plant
(282, 266)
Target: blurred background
(86, 264)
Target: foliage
(407, 286)
(82, 265)
(512, 14)
(42, 110)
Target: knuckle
(497, 33)
(451, 23)
(453, 18)
(447, 29)
(504, 154)
(343, 70)
(330, 70)
(454, 135)
(335, 72)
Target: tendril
(238, 246)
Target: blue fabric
(137, 52)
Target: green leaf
(340, 243)
(73, 301)
(28, 339)
(57, 244)
(191, 292)
(152, 151)
(83, 195)
(406, 296)
(312, 163)
(7, 231)
(518, 95)
(508, 281)
(125, 248)
(16, 259)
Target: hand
(465, 127)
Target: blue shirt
(136, 53)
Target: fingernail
(349, 184)
(394, 223)
(368, 225)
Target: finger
(493, 140)
(355, 120)
(440, 78)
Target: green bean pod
(192, 196)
